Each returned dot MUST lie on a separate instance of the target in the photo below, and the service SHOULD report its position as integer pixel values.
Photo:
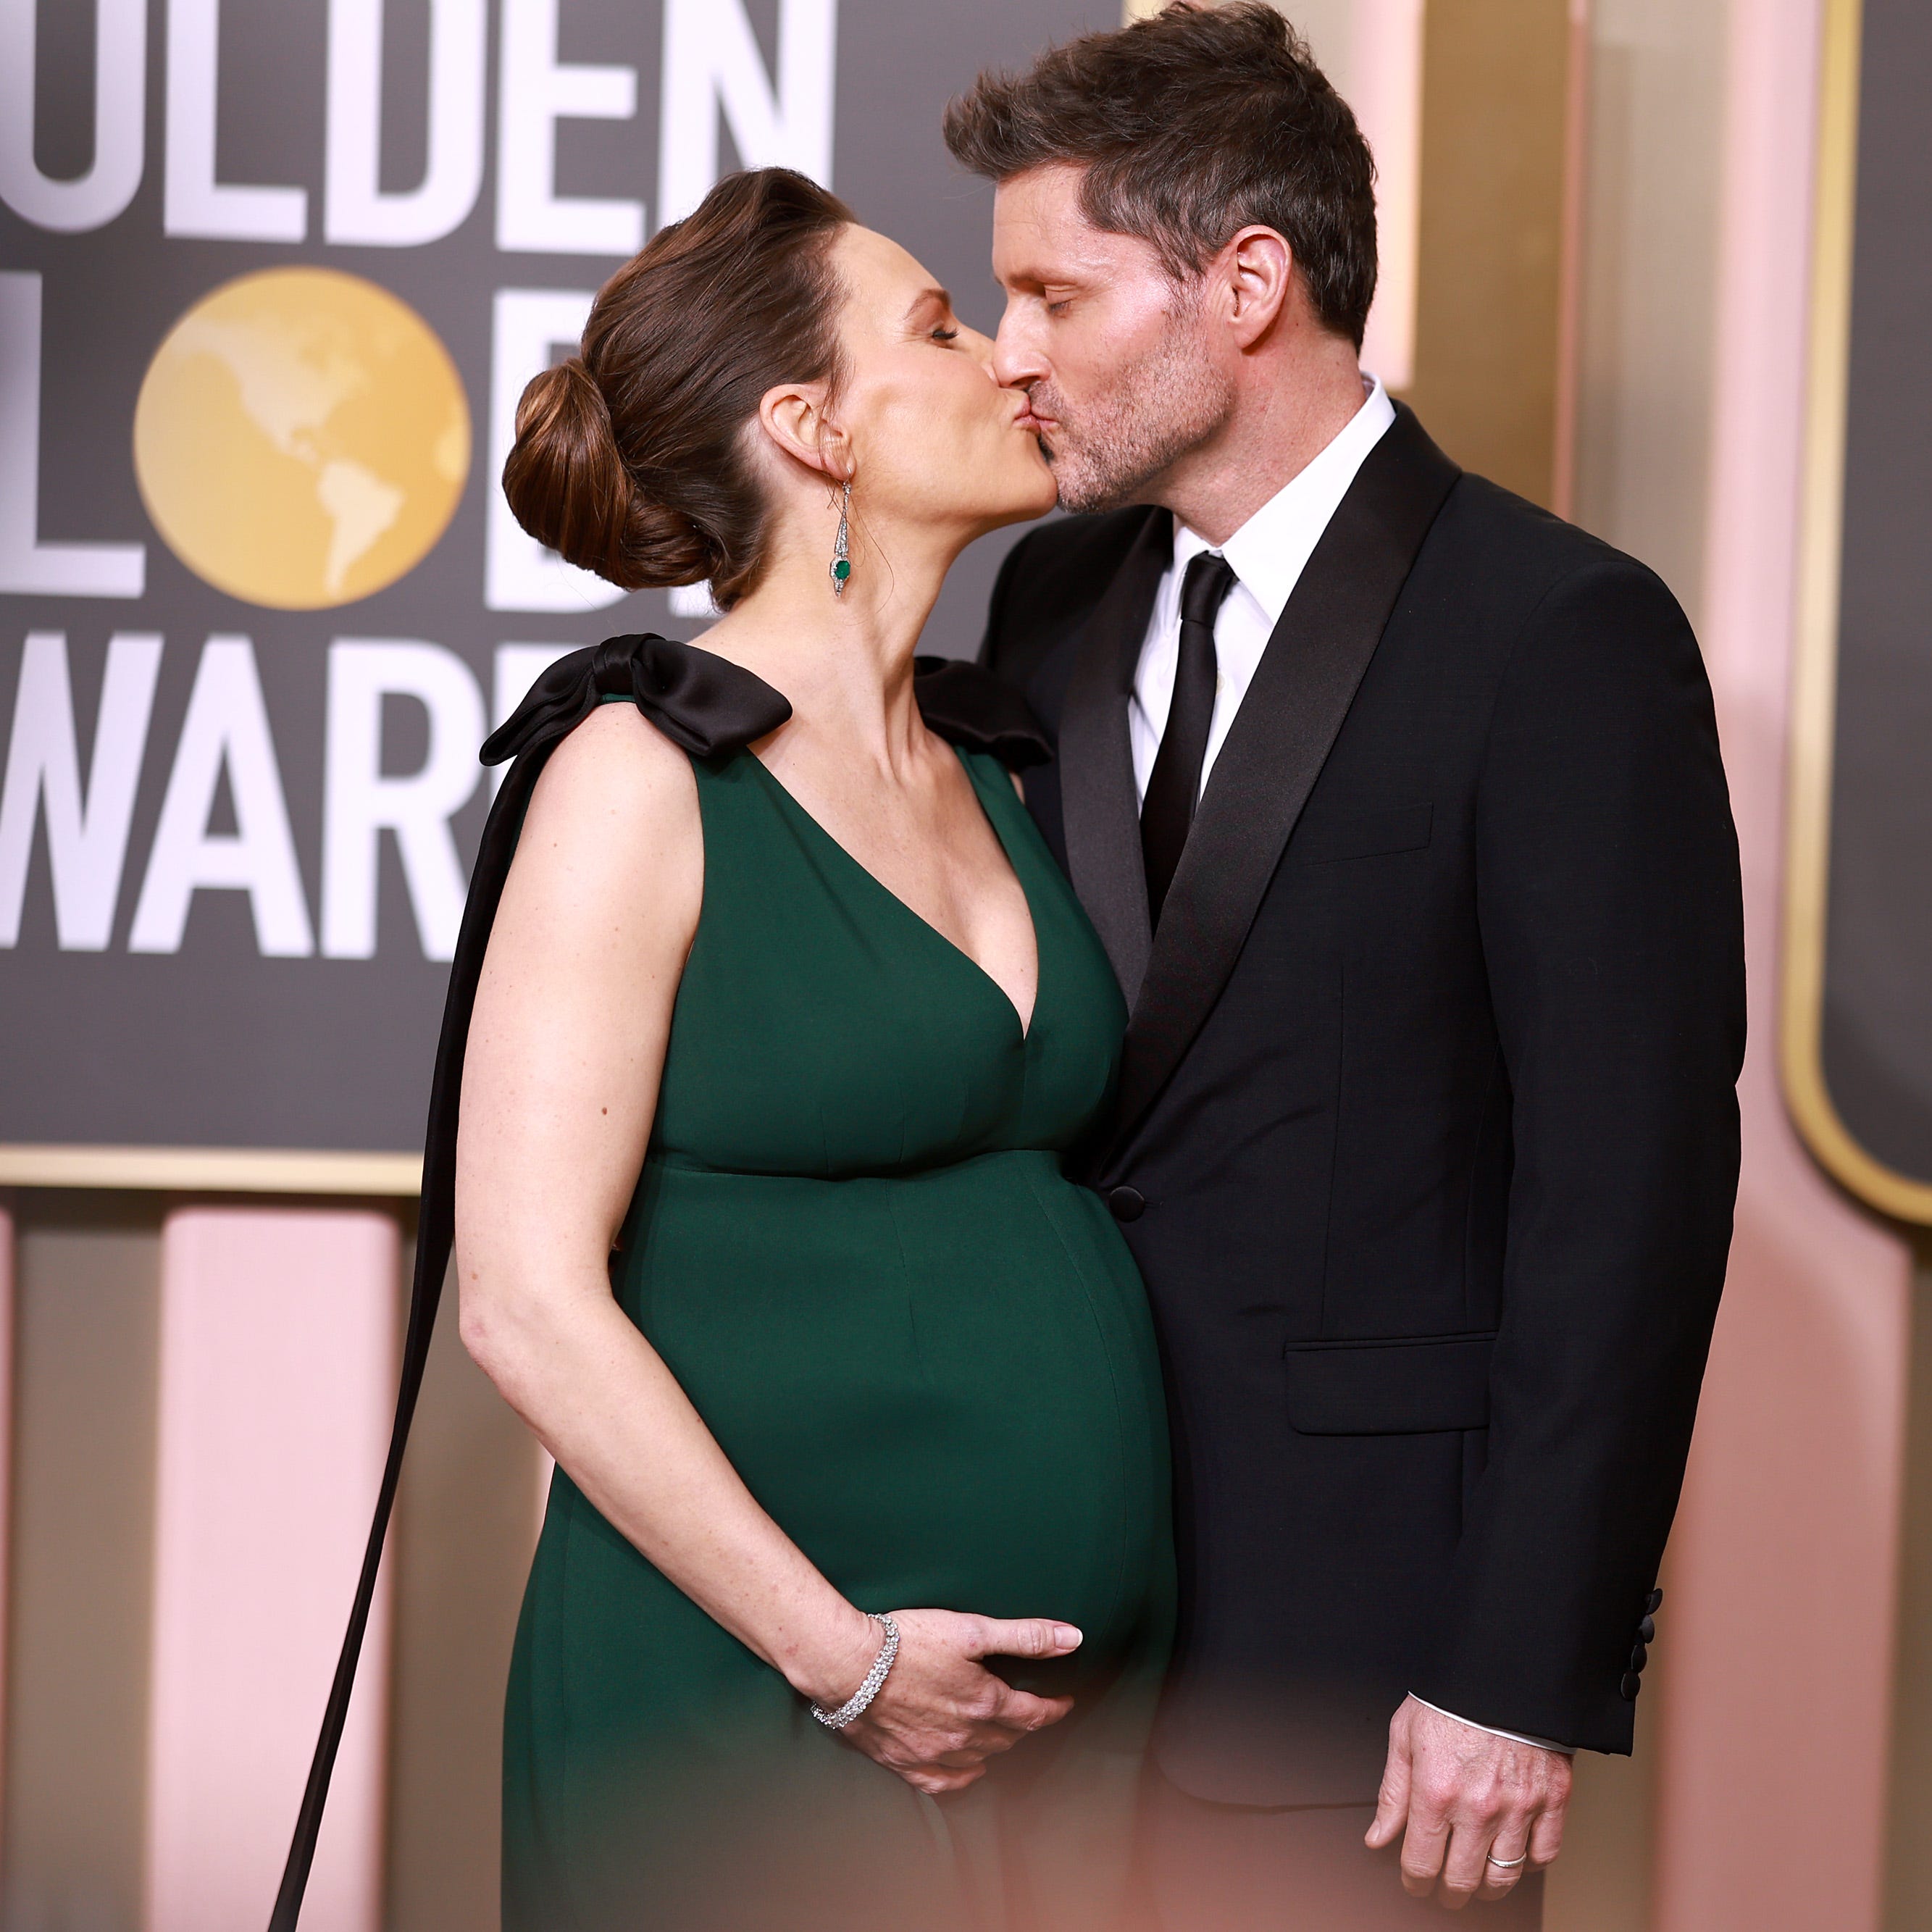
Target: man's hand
(1464, 1793)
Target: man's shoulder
(1548, 614)
(1050, 581)
(1524, 552)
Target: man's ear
(1257, 271)
(794, 417)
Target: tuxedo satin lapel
(1281, 737)
(1101, 808)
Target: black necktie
(1175, 785)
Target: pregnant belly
(944, 1387)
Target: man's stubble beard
(1156, 412)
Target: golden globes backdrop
(1857, 990)
(272, 275)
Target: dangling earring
(841, 560)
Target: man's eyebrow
(1032, 277)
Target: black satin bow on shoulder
(699, 701)
(708, 706)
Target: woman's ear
(794, 416)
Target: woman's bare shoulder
(616, 766)
(615, 811)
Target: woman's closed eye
(943, 333)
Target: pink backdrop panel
(277, 1373)
(1773, 1733)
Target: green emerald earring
(841, 559)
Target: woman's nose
(979, 346)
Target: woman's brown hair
(631, 458)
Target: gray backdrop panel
(1877, 1018)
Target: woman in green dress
(855, 1586)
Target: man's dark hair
(1189, 126)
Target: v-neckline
(1026, 1024)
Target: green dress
(928, 1354)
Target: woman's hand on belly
(941, 1713)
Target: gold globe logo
(301, 438)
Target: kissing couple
(1115, 1247)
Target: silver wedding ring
(1508, 1865)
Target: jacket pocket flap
(1389, 1388)
(1364, 835)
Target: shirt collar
(1268, 553)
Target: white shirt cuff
(1514, 1737)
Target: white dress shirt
(1267, 555)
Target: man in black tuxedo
(1397, 804)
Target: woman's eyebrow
(935, 296)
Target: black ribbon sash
(709, 706)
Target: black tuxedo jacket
(1426, 1140)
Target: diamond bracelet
(875, 1678)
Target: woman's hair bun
(569, 486)
(631, 459)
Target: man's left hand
(1464, 1794)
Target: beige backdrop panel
(87, 1297)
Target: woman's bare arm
(560, 1085)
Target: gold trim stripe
(1814, 686)
(212, 1170)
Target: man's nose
(1017, 363)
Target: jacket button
(1653, 1602)
(1647, 1630)
(1631, 1686)
(1640, 1656)
(1127, 1203)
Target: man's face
(1117, 357)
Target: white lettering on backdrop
(193, 202)
(93, 199)
(360, 803)
(87, 826)
(27, 566)
(225, 729)
(355, 208)
(536, 92)
(711, 64)
(712, 61)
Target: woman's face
(934, 440)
